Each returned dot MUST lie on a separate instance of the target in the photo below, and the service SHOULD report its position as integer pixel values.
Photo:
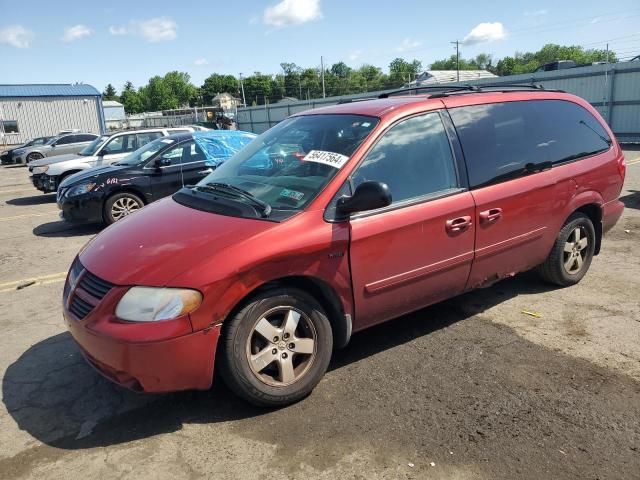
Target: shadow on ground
(56, 397)
(34, 200)
(632, 200)
(65, 229)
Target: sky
(117, 41)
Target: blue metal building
(36, 110)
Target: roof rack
(492, 87)
(351, 100)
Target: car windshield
(287, 166)
(94, 146)
(142, 154)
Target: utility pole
(322, 73)
(244, 101)
(457, 44)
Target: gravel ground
(471, 388)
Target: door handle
(458, 224)
(205, 172)
(490, 215)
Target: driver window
(413, 158)
(121, 144)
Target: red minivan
(337, 219)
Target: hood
(163, 240)
(91, 173)
(55, 159)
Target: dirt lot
(471, 388)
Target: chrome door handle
(205, 172)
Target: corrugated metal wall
(42, 116)
(613, 89)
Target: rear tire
(120, 205)
(275, 350)
(572, 252)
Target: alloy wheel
(281, 346)
(575, 250)
(123, 207)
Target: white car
(48, 173)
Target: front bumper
(85, 208)
(44, 182)
(147, 357)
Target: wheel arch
(128, 189)
(594, 212)
(325, 294)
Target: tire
(120, 205)
(570, 257)
(33, 156)
(290, 363)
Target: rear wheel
(120, 205)
(572, 253)
(33, 156)
(277, 348)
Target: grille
(94, 286)
(89, 284)
(79, 307)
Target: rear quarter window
(500, 139)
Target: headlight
(38, 170)
(80, 189)
(150, 304)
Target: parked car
(160, 168)
(46, 174)
(59, 145)
(397, 203)
(6, 158)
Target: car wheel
(572, 252)
(32, 157)
(120, 205)
(276, 349)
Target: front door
(418, 250)
(116, 149)
(184, 164)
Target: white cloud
(158, 29)
(200, 62)
(485, 32)
(117, 30)
(71, 34)
(16, 36)
(408, 44)
(354, 55)
(154, 30)
(292, 12)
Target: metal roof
(430, 77)
(111, 103)
(48, 90)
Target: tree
(110, 93)
(401, 71)
(216, 83)
(481, 62)
(131, 100)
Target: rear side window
(502, 141)
(66, 140)
(85, 138)
(413, 158)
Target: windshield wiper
(264, 207)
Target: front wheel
(32, 157)
(277, 348)
(120, 205)
(572, 253)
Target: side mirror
(368, 196)
(163, 162)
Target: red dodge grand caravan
(337, 219)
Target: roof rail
(445, 90)
(351, 100)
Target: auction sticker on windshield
(327, 158)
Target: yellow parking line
(28, 215)
(41, 278)
(46, 282)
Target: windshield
(142, 154)
(94, 146)
(287, 166)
